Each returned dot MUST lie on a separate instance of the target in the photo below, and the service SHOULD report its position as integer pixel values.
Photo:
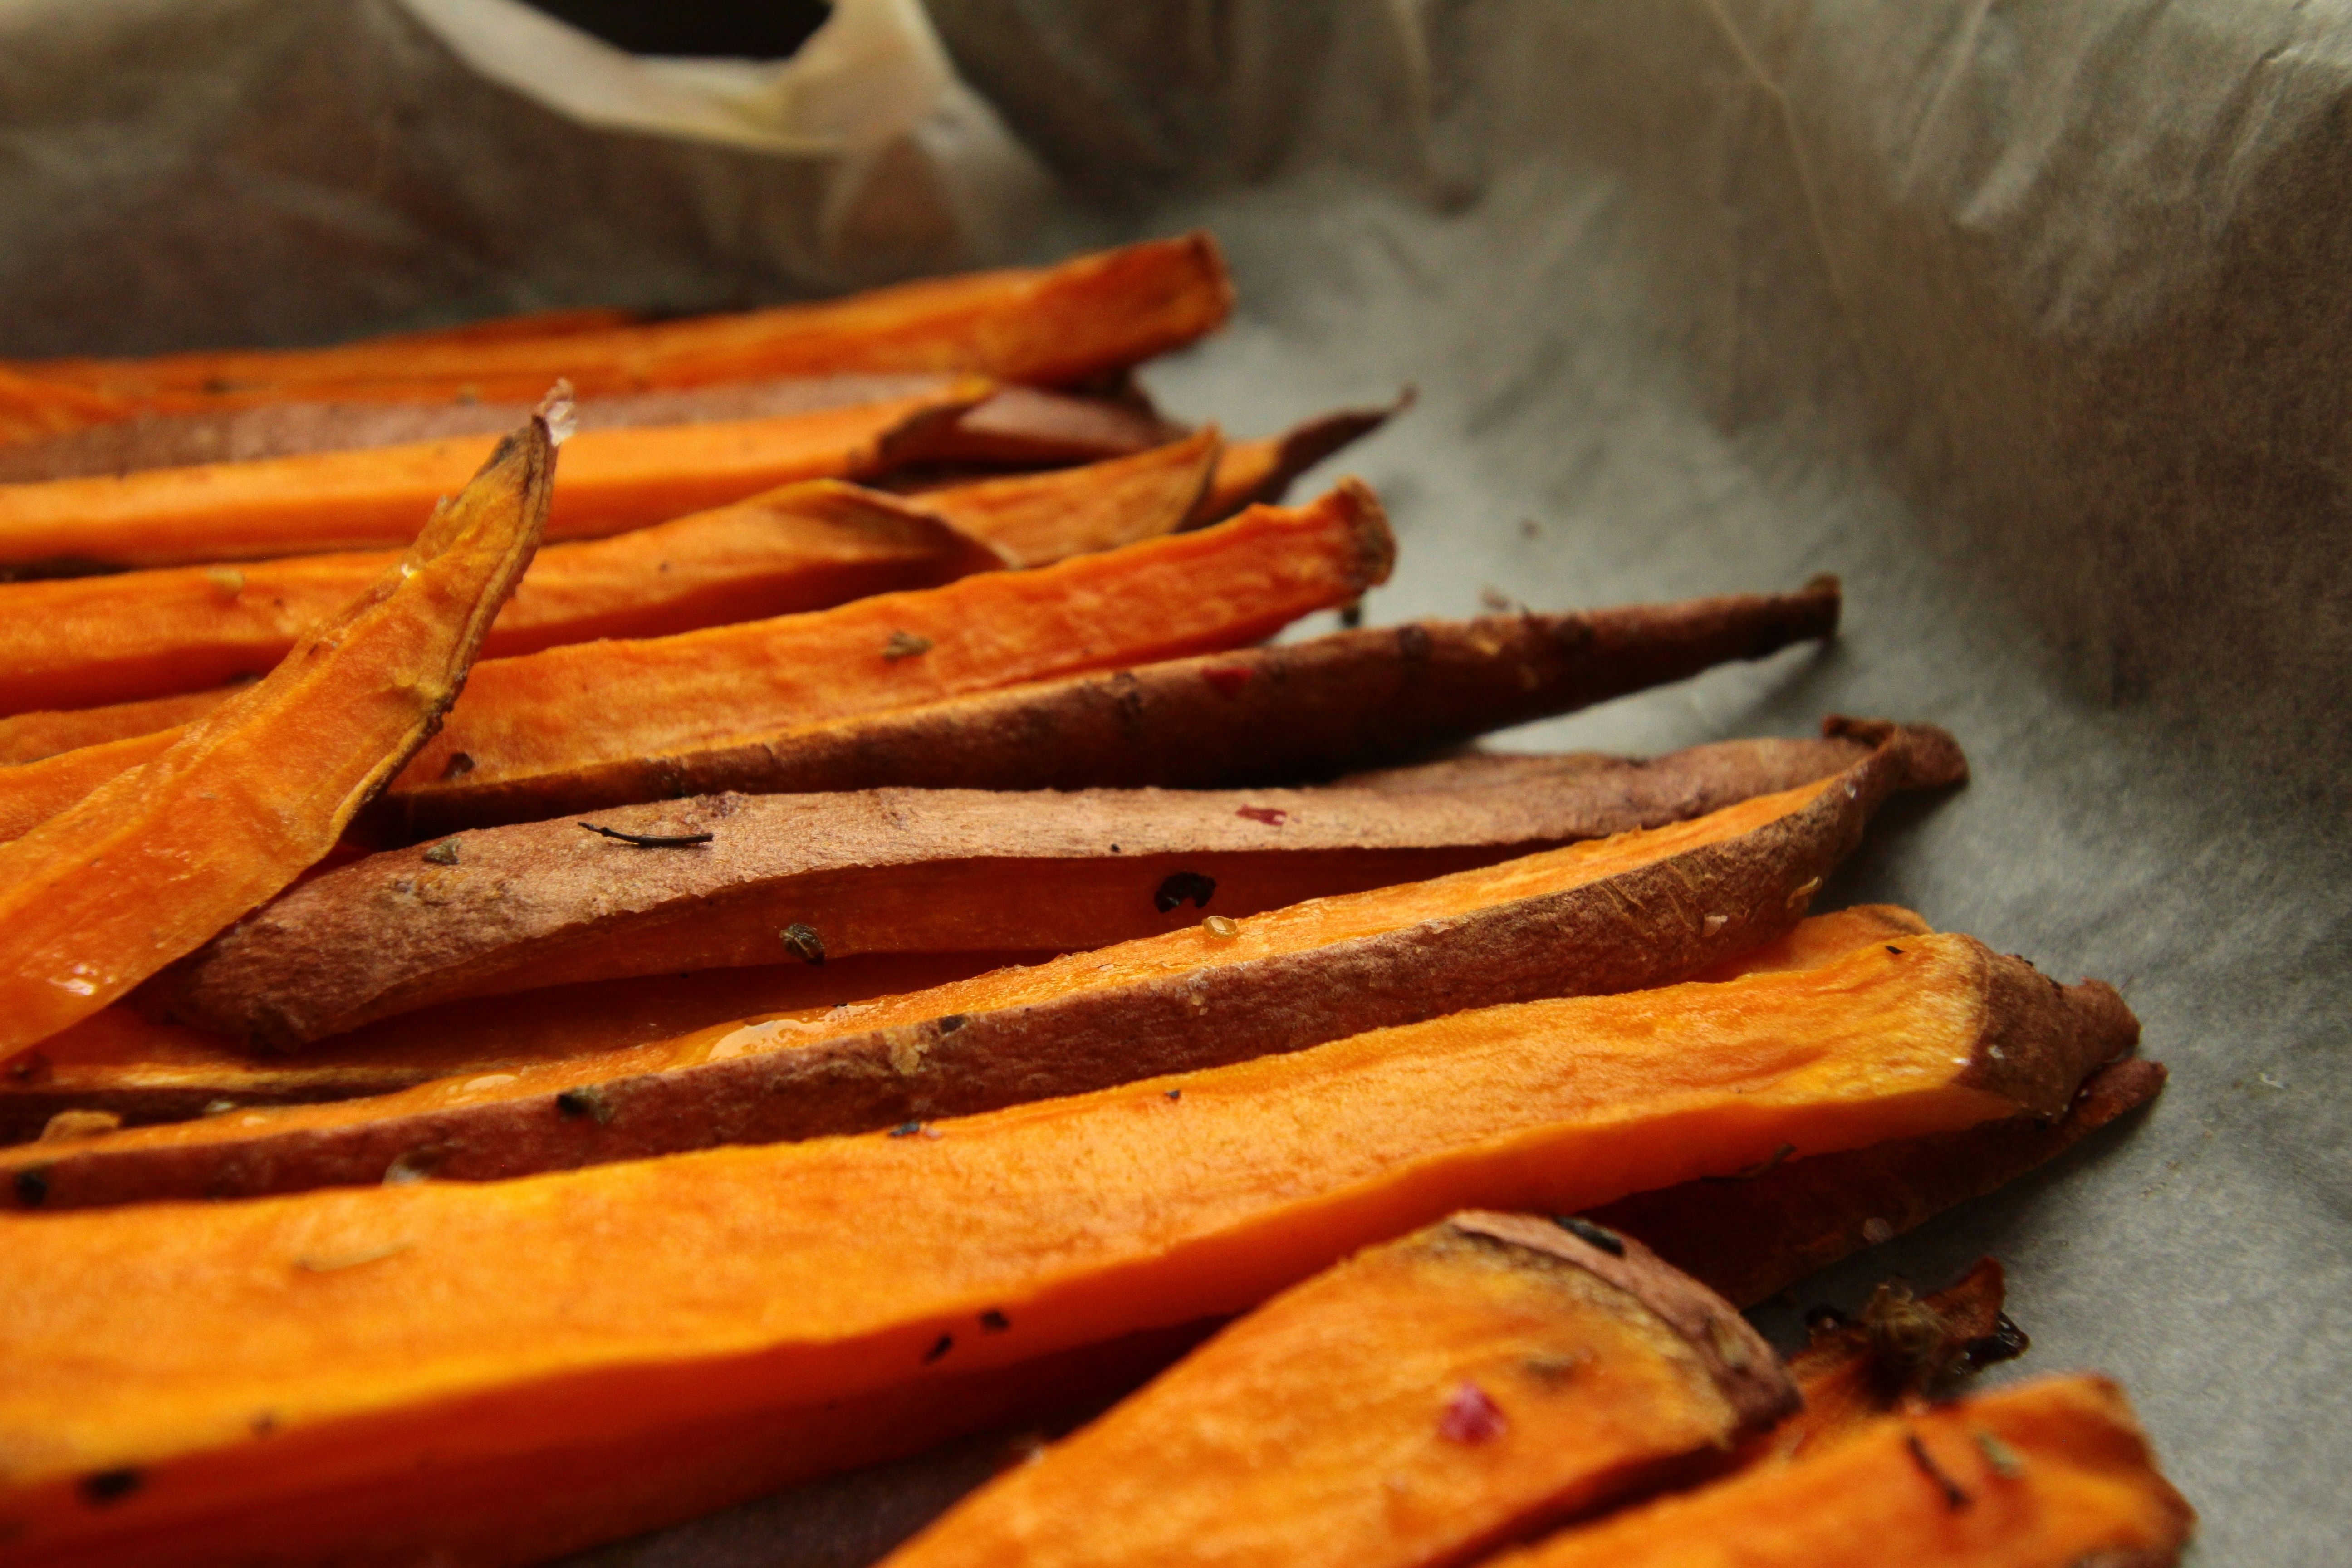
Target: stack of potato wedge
(600, 919)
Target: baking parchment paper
(2033, 321)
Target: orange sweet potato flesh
(1039, 519)
(154, 860)
(2052, 1474)
(895, 870)
(1252, 473)
(1051, 325)
(570, 1324)
(1283, 715)
(614, 479)
(33, 793)
(36, 736)
(1418, 1404)
(1613, 915)
(1753, 1238)
(82, 642)
(574, 707)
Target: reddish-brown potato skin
(1637, 929)
(1288, 714)
(1748, 1239)
(542, 904)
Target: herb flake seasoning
(642, 840)
(802, 942)
(586, 1101)
(905, 645)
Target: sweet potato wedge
(1260, 472)
(1014, 426)
(1752, 1237)
(1282, 715)
(1039, 519)
(2054, 1473)
(86, 641)
(614, 479)
(411, 1345)
(606, 705)
(1420, 1404)
(153, 861)
(513, 909)
(36, 736)
(1614, 915)
(566, 708)
(289, 429)
(144, 1071)
(1052, 326)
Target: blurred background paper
(189, 172)
(2033, 321)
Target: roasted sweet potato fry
(1790, 1218)
(144, 1071)
(1420, 1404)
(513, 909)
(1050, 325)
(1014, 426)
(417, 1343)
(1260, 716)
(2054, 1474)
(614, 479)
(1039, 519)
(1592, 918)
(38, 736)
(571, 707)
(532, 725)
(153, 861)
(807, 546)
(1254, 473)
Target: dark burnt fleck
(1895, 950)
(1352, 615)
(1954, 1498)
(647, 840)
(950, 1022)
(939, 1347)
(1599, 1236)
(587, 1101)
(802, 942)
(1825, 1319)
(2005, 1343)
(459, 765)
(1175, 1094)
(1181, 886)
(104, 1489)
(31, 1067)
(32, 1189)
(1907, 1335)
(905, 645)
(995, 1321)
(905, 1129)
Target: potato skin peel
(1629, 931)
(912, 871)
(1280, 715)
